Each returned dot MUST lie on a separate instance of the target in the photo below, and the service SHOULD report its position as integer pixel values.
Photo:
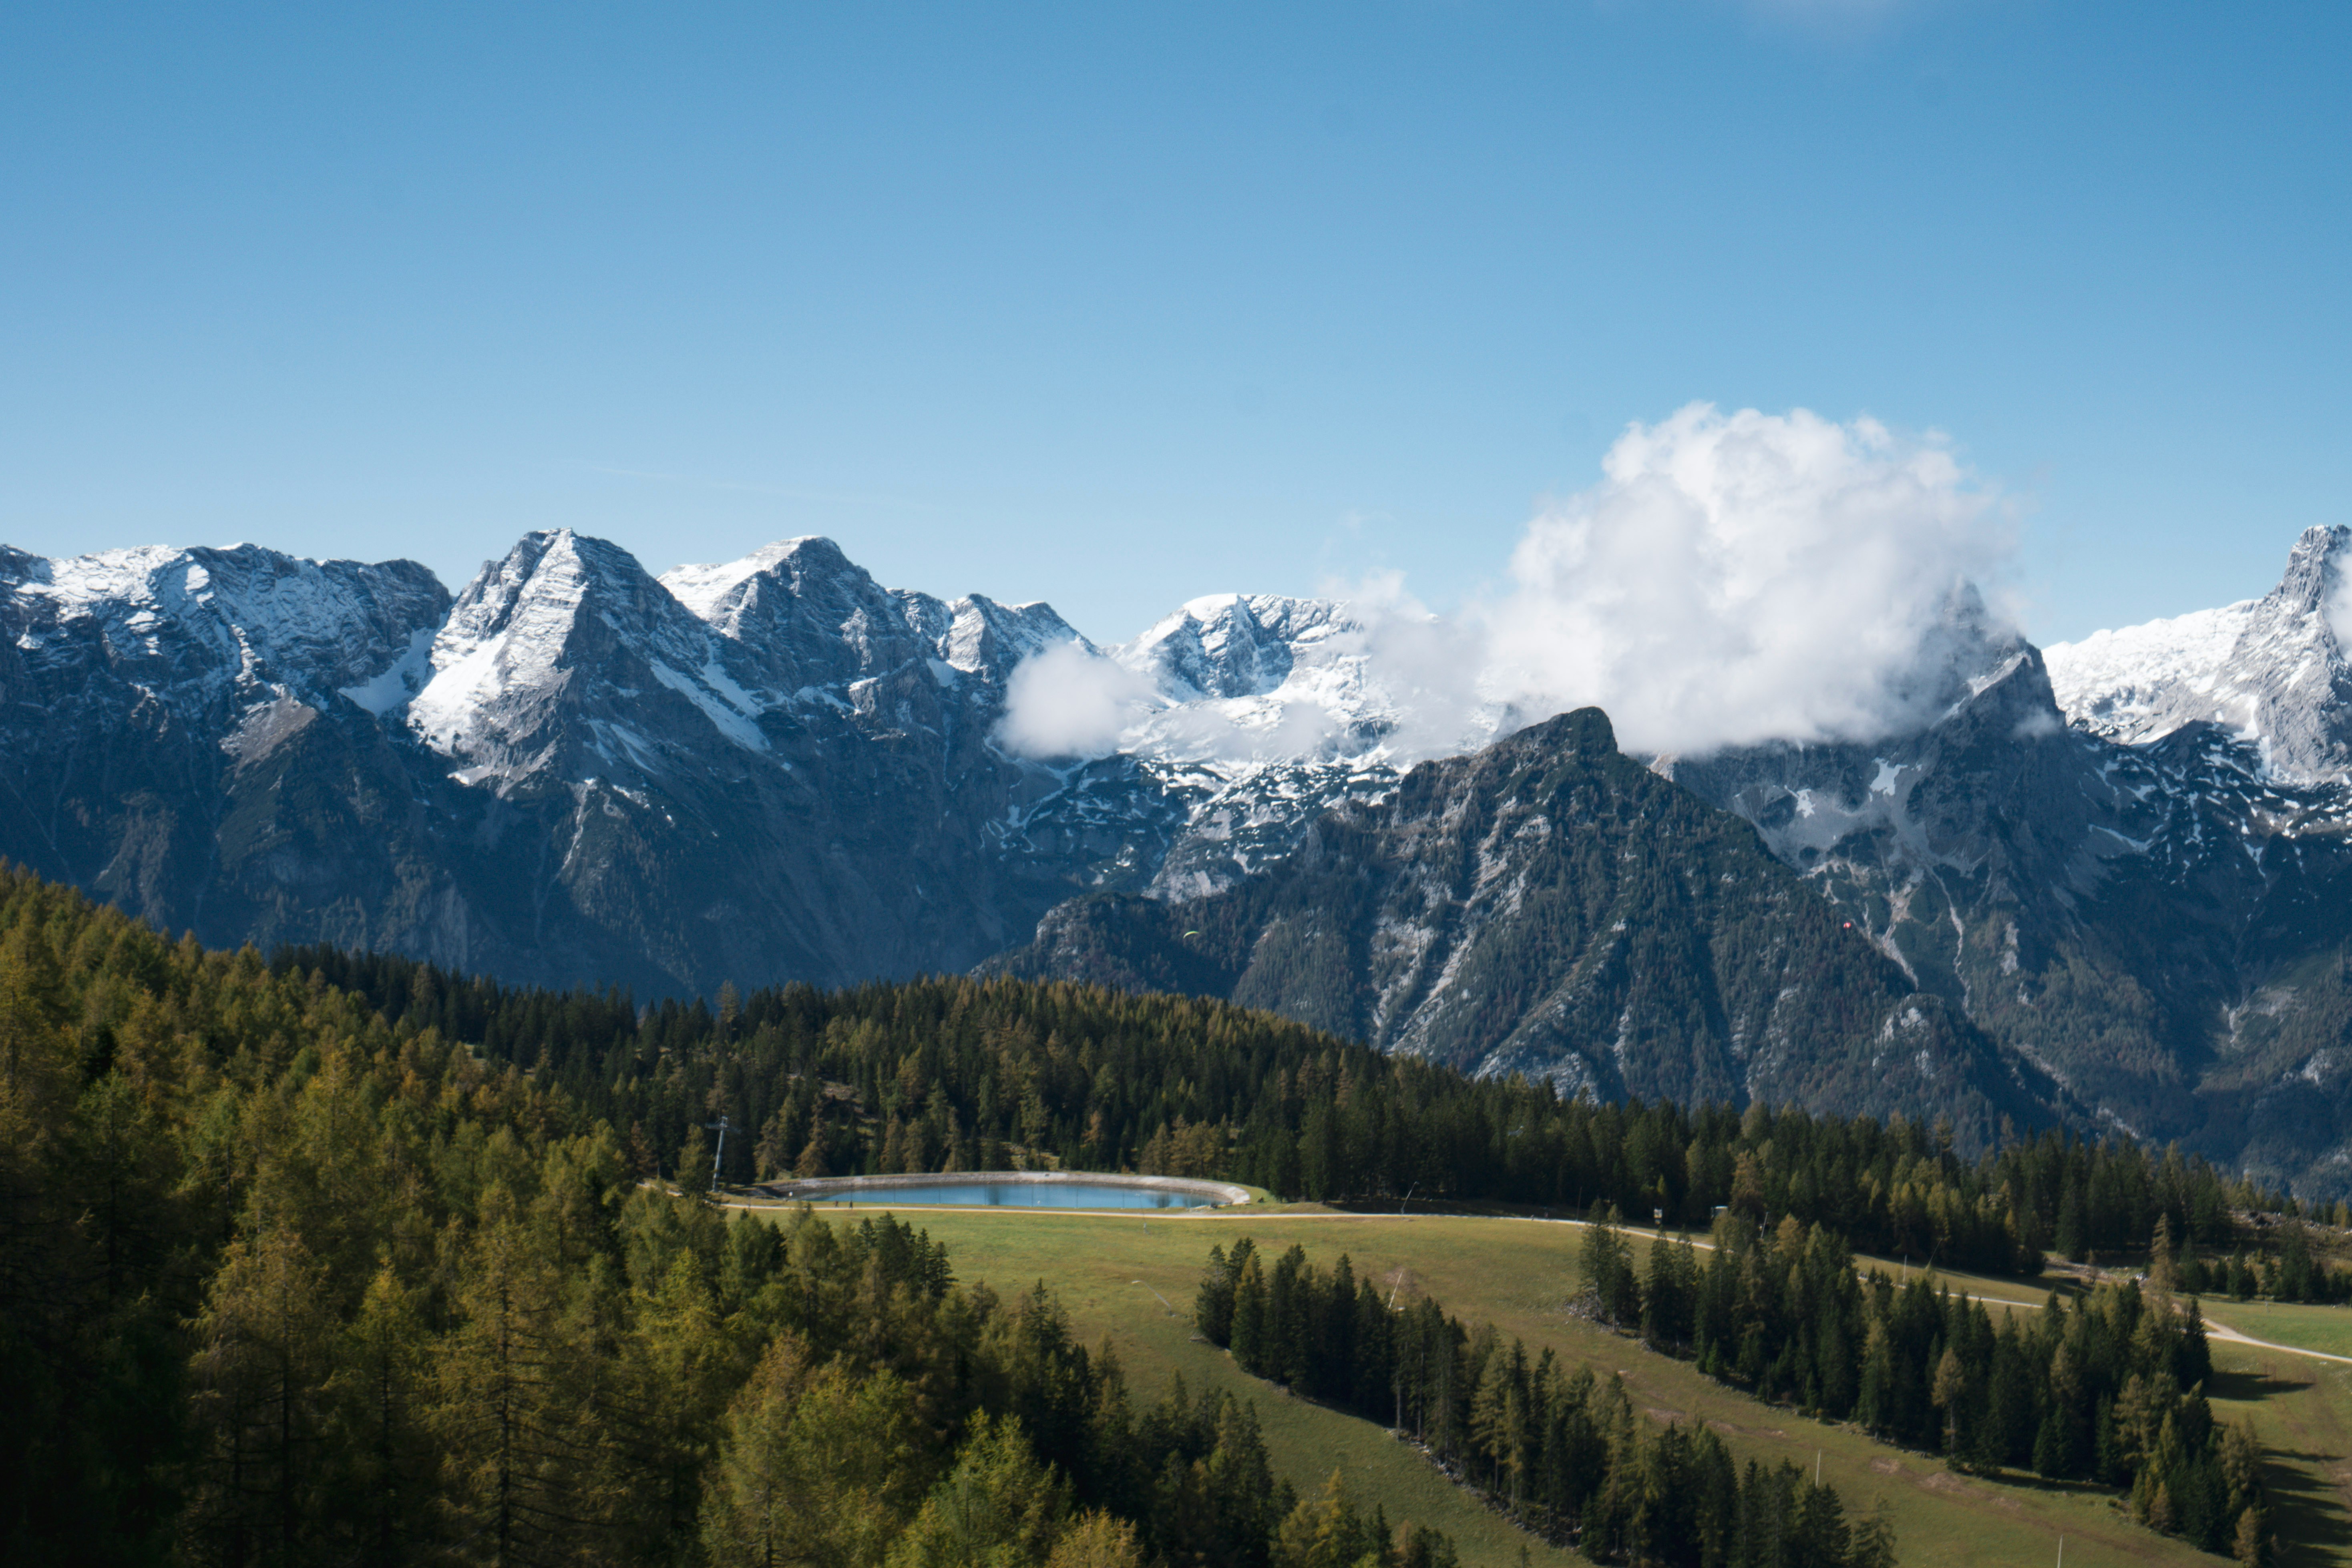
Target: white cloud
(1286, 724)
(1369, 671)
(1069, 700)
(2336, 605)
(1738, 577)
(1733, 579)
(1428, 668)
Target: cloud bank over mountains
(1070, 701)
(1732, 578)
(1750, 577)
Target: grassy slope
(1517, 1273)
(2325, 1329)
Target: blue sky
(1114, 305)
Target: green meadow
(2327, 1330)
(1130, 1279)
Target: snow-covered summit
(568, 655)
(720, 592)
(1263, 710)
(1236, 646)
(567, 652)
(195, 629)
(813, 620)
(2273, 671)
(988, 639)
(1265, 678)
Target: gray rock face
(2156, 927)
(775, 770)
(2272, 670)
(778, 769)
(147, 695)
(1547, 906)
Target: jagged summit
(815, 619)
(1549, 907)
(989, 639)
(1270, 680)
(2273, 671)
(1228, 645)
(203, 630)
(565, 654)
(568, 655)
(777, 768)
(718, 593)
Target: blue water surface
(1021, 1194)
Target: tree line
(958, 1074)
(1563, 1453)
(2283, 1265)
(284, 1281)
(2108, 1388)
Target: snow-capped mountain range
(766, 769)
(2273, 671)
(2127, 859)
(1271, 709)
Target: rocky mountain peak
(797, 582)
(1229, 645)
(217, 631)
(1583, 732)
(2313, 580)
(568, 655)
(990, 640)
(1547, 908)
(804, 622)
(2272, 671)
(807, 620)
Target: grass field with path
(1131, 1279)
(2327, 1330)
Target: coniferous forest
(964, 1074)
(1564, 1453)
(2107, 1389)
(283, 1282)
(277, 1236)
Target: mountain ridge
(2275, 669)
(1503, 912)
(778, 769)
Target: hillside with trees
(1550, 906)
(1562, 1452)
(283, 1282)
(2108, 1388)
(963, 1074)
(278, 1234)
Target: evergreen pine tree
(1249, 1332)
(385, 1473)
(2250, 1542)
(1097, 1540)
(1606, 1270)
(259, 1401)
(1213, 1304)
(693, 1176)
(511, 1409)
(998, 1507)
(1873, 1542)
